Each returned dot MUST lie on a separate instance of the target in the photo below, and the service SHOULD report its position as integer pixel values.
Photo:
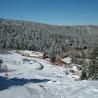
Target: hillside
(24, 78)
(50, 39)
(42, 61)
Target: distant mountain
(51, 39)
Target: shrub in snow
(91, 70)
(83, 75)
(52, 58)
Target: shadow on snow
(6, 83)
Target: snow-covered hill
(29, 77)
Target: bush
(83, 75)
(77, 57)
(52, 59)
(91, 69)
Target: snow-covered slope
(37, 78)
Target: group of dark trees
(89, 61)
(91, 69)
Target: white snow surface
(52, 80)
(67, 60)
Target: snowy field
(37, 78)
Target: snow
(31, 53)
(67, 60)
(38, 78)
(74, 68)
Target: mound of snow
(67, 60)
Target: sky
(59, 12)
